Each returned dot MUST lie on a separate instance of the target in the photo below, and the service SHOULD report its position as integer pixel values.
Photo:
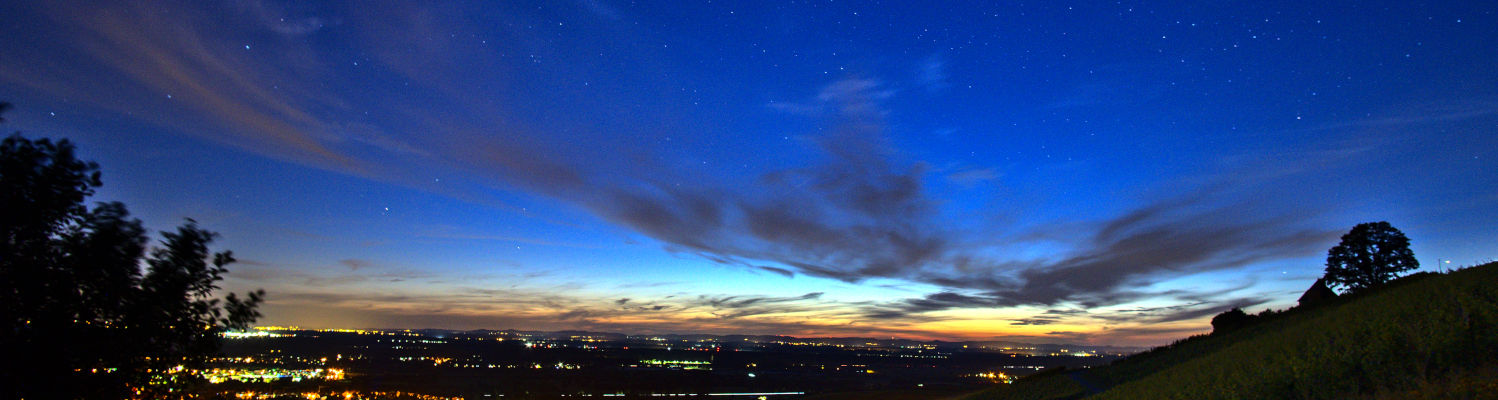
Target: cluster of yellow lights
(358, 331)
(346, 395)
(258, 333)
(683, 364)
(267, 375)
(995, 376)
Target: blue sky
(1061, 172)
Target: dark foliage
(1369, 255)
(1230, 320)
(78, 317)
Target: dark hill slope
(1425, 336)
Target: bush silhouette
(1230, 320)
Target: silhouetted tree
(1369, 255)
(1230, 320)
(78, 319)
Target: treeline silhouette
(79, 316)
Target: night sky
(1111, 173)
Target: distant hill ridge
(1424, 336)
(848, 340)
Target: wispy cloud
(857, 209)
(973, 176)
(1412, 115)
(601, 9)
(279, 19)
(446, 233)
(933, 73)
(185, 77)
(1164, 238)
(540, 308)
(354, 264)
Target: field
(909, 394)
(1423, 336)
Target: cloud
(1114, 335)
(858, 214)
(539, 308)
(335, 280)
(932, 302)
(446, 233)
(275, 18)
(358, 272)
(861, 212)
(1418, 114)
(1167, 238)
(933, 73)
(633, 285)
(354, 264)
(1192, 310)
(601, 9)
(743, 301)
(795, 108)
(1196, 313)
(1123, 256)
(779, 271)
(973, 176)
(139, 61)
(731, 307)
(857, 209)
(252, 263)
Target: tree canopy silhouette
(78, 316)
(1369, 255)
(1230, 320)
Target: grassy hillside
(1426, 336)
